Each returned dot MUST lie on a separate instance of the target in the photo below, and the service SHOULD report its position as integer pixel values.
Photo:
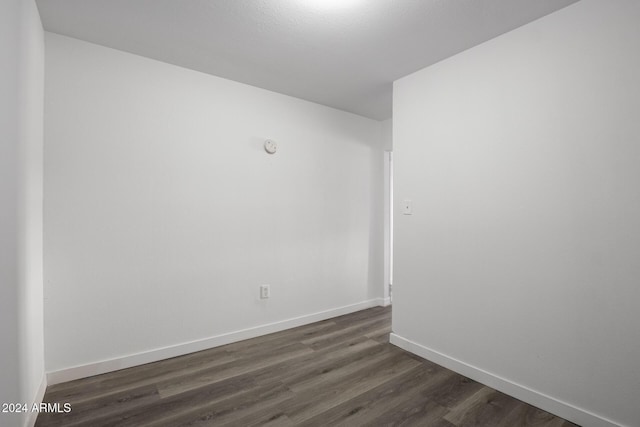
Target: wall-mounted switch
(265, 291)
(407, 209)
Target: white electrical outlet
(265, 291)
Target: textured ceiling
(346, 56)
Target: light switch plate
(407, 208)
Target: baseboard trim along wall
(97, 368)
(384, 301)
(30, 421)
(532, 397)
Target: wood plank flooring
(338, 372)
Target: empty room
(320, 213)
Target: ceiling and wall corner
(344, 57)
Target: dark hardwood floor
(338, 372)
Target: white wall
(387, 134)
(31, 213)
(163, 213)
(387, 143)
(9, 184)
(21, 117)
(521, 262)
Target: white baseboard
(540, 400)
(384, 302)
(97, 368)
(30, 420)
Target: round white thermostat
(270, 146)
